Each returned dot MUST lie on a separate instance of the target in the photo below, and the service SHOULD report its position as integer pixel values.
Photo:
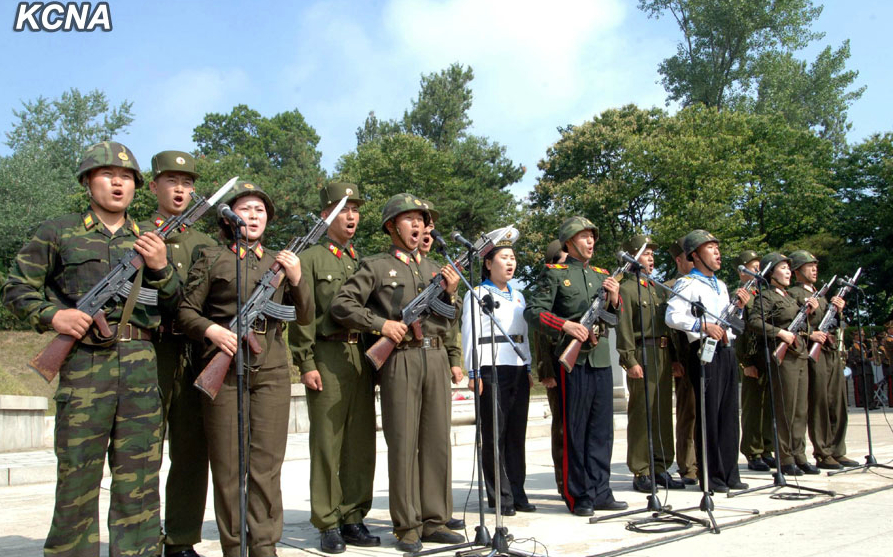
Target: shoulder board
(556, 266)
(600, 270)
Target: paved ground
(856, 521)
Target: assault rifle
(829, 320)
(594, 314)
(117, 285)
(799, 321)
(260, 303)
(731, 316)
(428, 301)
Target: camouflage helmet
(675, 248)
(800, 258)
(402, 203)
(430, 206)
(173, 161)
(573, 226)
(553, 250)
(334, 191)
(746, 257)
(772, 259)
(695, 239)
(109, 153)
(243, 188)
(634, 244)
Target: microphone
(745, 271)
(623, 256)
(456, 236)
(438, 237)
(227, 214)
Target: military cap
(430, 206)
(109, 153)
(772, 259)
(244, 188)
(553, 250)
(695, 239)
(675, 248)
(746, 257)
(173, 161)
(402, 203)
(634, 244)
(800, 258)
(573, 226)
(335, 191)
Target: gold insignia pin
(417, 202)
(392, 273)
(123, 156)
(180, 160)
(348, 191)
(567, 282)
(248, 186)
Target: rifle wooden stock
(48, 362)
(211, 378)
(814, 351)
(379, 352)
(569, 357)
(782, 349)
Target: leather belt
(350, 337)
(261, 326)
(169, 328)
(660, 342)
(129, 332)
(517, 339)
(427, 343)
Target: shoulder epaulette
(600, 270)
(556, 266)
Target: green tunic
(757, 437)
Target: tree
(279, 153)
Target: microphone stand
(653, 504)
(870, 460)
(240, 402)
(778, 479)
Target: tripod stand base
(778, 482)
(870, 462)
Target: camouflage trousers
(107, 402)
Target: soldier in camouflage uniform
(415, 379)
(173, 180)
(340, 387)
(209, 304)
(631, 341)
(107, 400)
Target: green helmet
(430, 206)
(243, 188)
(800, 258)
(553, 250)
(334, 191)
(675, 248)
(574, 226)
(695, 239)
(402, 203)
(746, 257)
(173, 161)
(772, 259)
(109, 153)
(634, 244)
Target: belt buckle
(257, 326)
(426, 343)
(353, 337)
(129, 333)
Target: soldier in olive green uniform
(790, 377)
(827, 413)
(415, 378)
(173, 180)
(887, 347)
(630, 342)
(340, 386)
(209, 304)
(757, 437)
(560, 298)
(107, 400)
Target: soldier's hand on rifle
(787, 336)
(291, 264)
(751, 371)
(151, 247)
(576, 330)
(714, 331)
(451, 278)
(312, 380)
(612, 287)
(222, 338)
(818, 336)
(394, 330)
(635, 372)
(838, 302)
(743, 297)
(72, 322)
(457, 374)
(813, 304)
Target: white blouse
(509, 314)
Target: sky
(538, 65)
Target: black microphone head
(221, 210)
(438, 237)
(455, 235)
(742, 269)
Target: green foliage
(279, 153)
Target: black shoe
(668, 482)
(828, 463)
(770, 460)
(184, 553)
(642, 483)
(525, 507)
(737, 486)
(808, 468)
(410, 542)
(358, 534)
(688, 481)
(583, 510)
(455, 524)
(330, 541)
(719, 488)
(757, 464)
(612, 506)
(507, 511)
(444, 535)
(791, 470)
(846, 462)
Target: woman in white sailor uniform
(512, 372)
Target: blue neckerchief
(489, 285)
(711, 281)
